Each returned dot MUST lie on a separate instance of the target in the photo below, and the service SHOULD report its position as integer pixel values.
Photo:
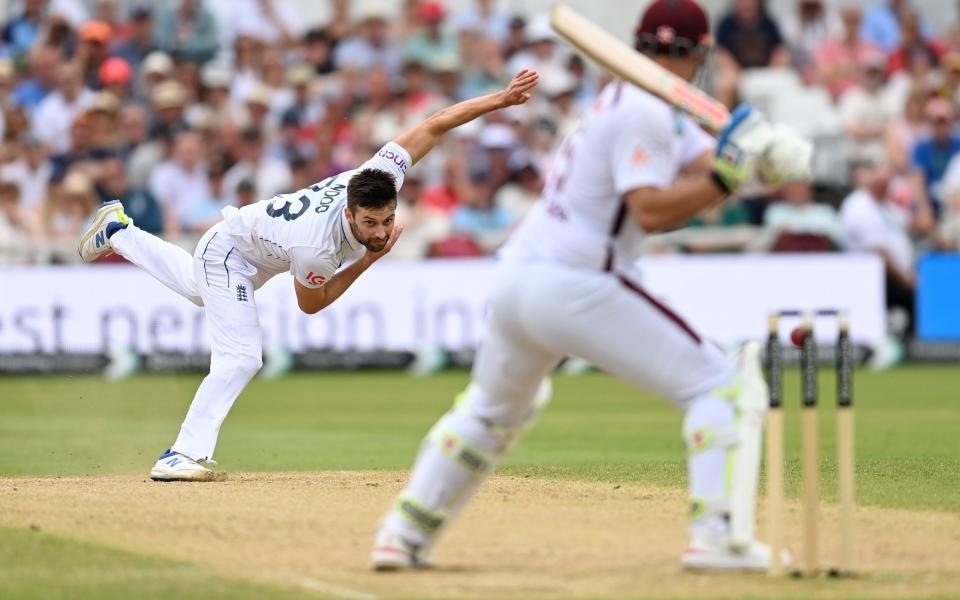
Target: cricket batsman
(568, 286)
(347, 219)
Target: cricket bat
(630, 65)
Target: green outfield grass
(908, 453)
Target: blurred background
(182, 107)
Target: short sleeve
(312, 267)
(392, 158)
(642, 151)
(862, 226)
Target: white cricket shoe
(173, 466)
(94, 242)
(708, 553)
(391, 553)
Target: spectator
(541, 53)
(22, 31)
(430, 46)
(805, 30)
(837, 61)
(522, 189)
(422, 227)
(43, 78)
(484, 18)
(932, 155)
(169, 102)
(65, 215)
(15, 233)
(481, 219)
(912, 43)
(155, 69)
(881, 24)
(53, 119)
(454, 186)
(304, 106)
(905, 131)
(115, 76)
(270, 176)
(865, 111)
(486, 73)
(796, 224)
(269, 21)
(871, 223)
(317, 51)
(142, 154)
(31, 173)
(372, 47)
(949, 88)
(138, 204)
(200, 216)
(91, 51)
(188, 32)
(747, 38)
(139, 41)
(180, 181)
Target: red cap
(95, 31)
(672, 26)
(431, 11)
(115, 70)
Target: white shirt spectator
(858, 108)
(54, 117)
(33, 183)
(495, 25)
(359, 53)
(250, 19)
(175, 188)
(869, 225)
(271, 176)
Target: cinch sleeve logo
(395, 158)
(315, 279)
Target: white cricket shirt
(628, 139)
(306, 232)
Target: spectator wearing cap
(270, 21)
(271, 176)
(138, 204)
(912, 43)
(42, 78)
(187, 31)
(141, 152)
(91, 51)
(156, 68)
(864, 110)
(169, 100)
(308, 110)
(558, 86)
(104, 120)
(31, 171)
(115, 77)
(486, 73)
(71, 203)
(805, 30)
(370, 47)
(180, 181)
(22, 32)
(484, 18)
(932, 155)
(747, 38)
(140, 39)
(882, 26)
(516, 37)
(257, 107)
(52, 120)
(214, 98)
(541, 52)
(430, 45)
(290, 144)
(837, 61)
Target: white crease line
(337, 591)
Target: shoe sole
(204, 476)
(102, 214)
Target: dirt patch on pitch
(522, 538)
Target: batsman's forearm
(327, 294)
(656, 209)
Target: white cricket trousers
(219, 279)
(540, 313)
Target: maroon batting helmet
(675, 27)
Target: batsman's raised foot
(173, 466)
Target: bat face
(628, 64)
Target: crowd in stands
(182, 107)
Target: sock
(114, 227)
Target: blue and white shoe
(95, 241)
(173, 466)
